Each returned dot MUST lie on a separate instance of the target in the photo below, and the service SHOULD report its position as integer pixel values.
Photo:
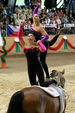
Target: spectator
(9, 14)
(53, 30)
(58, 21)
(8, 9)
(66, 12)
(65, 19)
(22, 15)
(47, 20)
(1, 8)
(17, 21)
(42, 17)
(1, 24)
(29, 14)
(5, 11)
(27, 3)
(19, 10)
(55, 13)
(71, 19)
(2, 13)
(30, 10)
(50, 13)
(25, 9)
(11, 20)
(60, 13)
(5, 20)
(71, 12)
(21, 20)
(16, 15)
(53, 20)
(66, 3)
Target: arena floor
(14, 77)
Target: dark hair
(31, 32)
(36, 34)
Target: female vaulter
(31, 49)
(42, 35)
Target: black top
(31, 55)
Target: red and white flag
(12, 31)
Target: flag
(1, 42)
(12, 31)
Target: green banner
(17, 47)
(65, 44)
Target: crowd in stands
(47, 17)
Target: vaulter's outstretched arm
(46, 37)
(20, 34)
(36, 9)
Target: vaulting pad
(50, 90)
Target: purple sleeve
(36, 10)
(46, 37)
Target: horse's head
(58, 77)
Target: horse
(36, 100)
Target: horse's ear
(63, 71)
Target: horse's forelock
(53, 73)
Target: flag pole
(1, 42)
(5, 51)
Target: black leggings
(43, 55)
(43, 62)
(34, 71)
(39, 72)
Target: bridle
(59, 79)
